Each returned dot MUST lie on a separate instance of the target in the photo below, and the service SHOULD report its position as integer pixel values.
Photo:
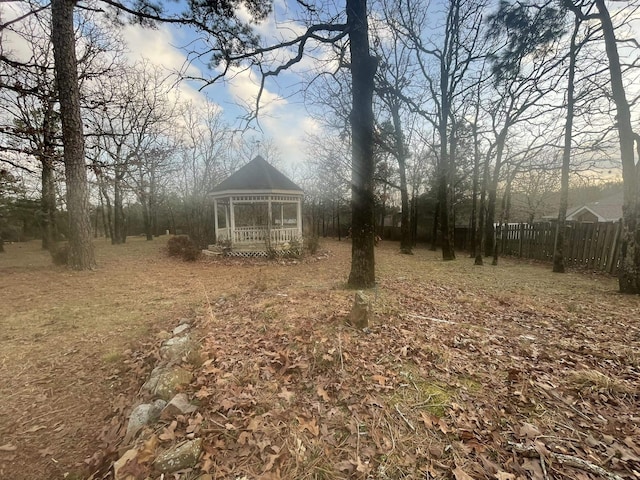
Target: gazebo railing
(259, 234)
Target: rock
(184, 455)
(170, 381)
(183, 327)
(175, 348)
(179, 405)
(361, 310)
(150, 384)
(143, 415)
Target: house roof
(258, 174)
(607, 209)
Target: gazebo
(257, 209)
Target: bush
(312, 243)
(59, 253)
(182, 246)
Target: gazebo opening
(257, 208)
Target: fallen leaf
(501, 475)
(7, 447)
(380, 379)
(529, 431)
(310, 425)
(46, 452)
(148, 450)
(322, 393)
(461, 474)
(35, 429)
(286, 394)
(169, 432)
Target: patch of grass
(596, 381)
(419, 393)
(112, 357)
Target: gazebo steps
(258, 249)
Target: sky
(283, 120)
(283, 117)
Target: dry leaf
(502, 475)
(148, 450)
(35, 429)
(286, 394)
(7, 447)
(461, 474)
(310, 425)
(168, 433)
(46, 452)
(322, 393)
(529, 431)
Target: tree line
(465, 99)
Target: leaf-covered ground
(465, 372)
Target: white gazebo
(256, 209)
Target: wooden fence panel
(594, 246)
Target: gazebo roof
(257, 175)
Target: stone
(170, 381)
(179, 405)
(361, 310)
(175, 348)
(183, 327)
(150, 384)
(179, 457)
(142, 415)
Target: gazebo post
(215, 218)
(299, 216)
(232, 226)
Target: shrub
(60, 254)
(312, 243)
(182, 246)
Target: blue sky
(283, 118)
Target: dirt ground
(465, 371)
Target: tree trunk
(559, 243)
(434, 229)
(48, 200)
(492, 197)
(629, 270)
(363, 69)
(118, 211)
(81, 252)
(48, 203)
(480, 235)
(475, 188)
(405, 226)
(448, 252)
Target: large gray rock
(152, 381)
(361, 310)
(170, 381)
(175, 348)
(142, 415)
(183, 327)
(179, 457)
(179, 405)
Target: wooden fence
(594, 246)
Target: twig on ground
(405, 418)
(209, 307)
(433, 319)
(569, 460)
